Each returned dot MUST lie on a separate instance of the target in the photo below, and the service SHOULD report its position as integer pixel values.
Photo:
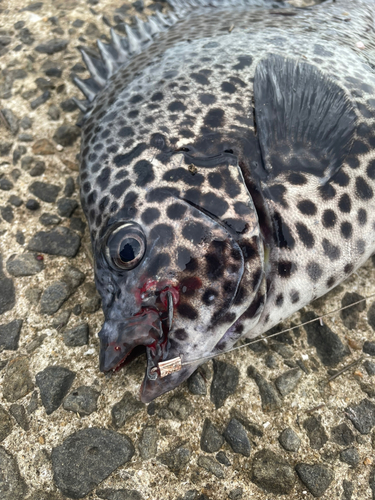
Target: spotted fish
(227, 173)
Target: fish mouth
(123, 340)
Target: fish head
(168, 272)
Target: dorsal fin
(120, 50)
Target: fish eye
(125, 246)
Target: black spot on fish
(345, 204)
(214, 204)
(362, 216)
(314, 271)
(228, 88)
(327, 192)
(181, 334)
(279, 300)
(103, 178)
(164, 233)
(200, 78)
(194, 232)
(362, 189)
(183, 174)
(150, 215)
(329, 218)
(176, 211)
(118, 190)
(161, 194)
(282, 235)
(176, 106)
(158, 96)
(187, 311)
(207, 99)
(243, 62)
(297, 179)
(348, 268)
(144, 172)
(294, 296)
(285, 269)
(332, 251)
(305, 235)
(307, 207)
(159, 262)
(215, 180)
(346, 230)
(214, 118)
(126, 132)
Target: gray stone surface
(211, 439)
(77, 336)
(125, 409)
(12, 484)
(148, 443)
(17, 380)
(175, 459)
(211, 465)
(6, 425)
(10, 335)
(289, 440)
(288, 381)
(26, 264)
(224, 383)
(82, 400)
(86, 458)
(236, 437)
(316, 478)
(270, 399)
(54, 383)
(60, 241)
(362, 416)
(272, 473)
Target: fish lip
(154, 341)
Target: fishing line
(173, 365)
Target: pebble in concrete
(17, 380)
(315, 432)
(77, 336)
(224, 382)
(272, 473)
(362, 416)
(270, 399)
(289, 440)
(211, 439)
(316, 478)
(86, 458)
(60, 241)
(148, 443)
(26, 264)
(54, 297)
(18, 412)
(82, 400)
(211, 465)
(123, 494)
(288, 381)
(54, 383)
(175, 459)
(10, 335)
(126, 408)
(350, 456)
(6, 425)
(236, 437)
(12, 485)
(342, 435)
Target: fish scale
(227, 173)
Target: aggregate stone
(24, 137)
(54, 297)
(48, 219)
(196, 384)
(60, 241)
(350, 456)
(289, 440)
(18, 152)
(315, 432)
(86, 458)
(82, 400)
(41, 99)
(91, 304)
(12, 484)
(5, 148)
(43, 147)
(32, 205)
(123, 494)
(33, 403)
(342, 435)
(288, 381)
(73, 277)
(224, 382)
(126, 408)
(11, 119)
(316, 478)
(26, 162)
(69, 187)
(61, 320)
(25, 124)
(33, 295)
(25, 264)
(372, 482)
(44, 84)
(44, 191)
(6, 425)
(35, 343)
(369, 366)
(369, 348)
(18, 412)
(350, 315)
(271, 361)
(211, 465)
(362, 416)
(7, 213)
(369, 389)
(54, 383)
(148, 443)
(371, 316)
(16, 174)
(20, 238)
(270, 399)
(211, 439)
(348, 490)
(252, 427)
(180, 407)
(53, 112)
(6, 184)
(77, 224)
(17, 380)
(328, 345)
(44, 495)
(68, 105)
(66, 207)
(66, 135)
(32, 7)
(285, 351)
(236, 437)
(222, 458)
(38, 169)
(10, 335)
(236, 494)
(15, 200)
(272, 473)
(175, 459)
(77, 336)
(52, 46)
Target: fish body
(227, 173)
